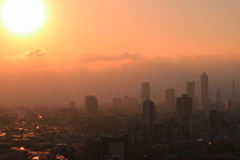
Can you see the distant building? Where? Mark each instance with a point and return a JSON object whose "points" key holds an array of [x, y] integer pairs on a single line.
{"points": [[216, 119], [122, 147], [170, 100], [117, 102], [72, 104], [145, 91], [184, 107], [149, 113], [127, 100], [92, 148], [191, 91], [114, 146], [131, 103], [204, 90], [91, 104]]}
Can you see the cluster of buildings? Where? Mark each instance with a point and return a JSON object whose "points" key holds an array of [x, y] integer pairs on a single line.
{"points": [[184, 129], [185, 104]]}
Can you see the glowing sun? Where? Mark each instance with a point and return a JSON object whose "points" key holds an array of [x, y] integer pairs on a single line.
{"points": [[23, 16]]}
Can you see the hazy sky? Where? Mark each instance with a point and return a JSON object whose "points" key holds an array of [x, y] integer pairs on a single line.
{"points": [[108, 48]]}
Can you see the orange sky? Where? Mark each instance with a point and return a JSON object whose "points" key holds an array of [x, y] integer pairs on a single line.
{"points": [[146, 27], [82, 36]]}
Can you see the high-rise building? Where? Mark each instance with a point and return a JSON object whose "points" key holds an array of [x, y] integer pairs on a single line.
{"points": [[149, 113], [145, 91], [184, 107], [191, 91], [170, 100], [91, 104], [204, 90], [216, 119]]}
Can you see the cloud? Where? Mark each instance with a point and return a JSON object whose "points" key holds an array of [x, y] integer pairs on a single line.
{"points": [[104, 57], [203, 58], [36, 53]]}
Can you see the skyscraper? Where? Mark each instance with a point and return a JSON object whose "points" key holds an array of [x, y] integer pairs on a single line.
{"points": [[145, 91], [91, 104], [149, 113], [170, 100], [204, 90], [184, 107], [191, 91]]}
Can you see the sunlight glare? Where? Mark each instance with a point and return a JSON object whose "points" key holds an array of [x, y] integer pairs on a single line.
{"points": [[23, 16]]}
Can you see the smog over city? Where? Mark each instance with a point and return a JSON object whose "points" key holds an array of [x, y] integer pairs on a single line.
{"points": [[119, 80]]}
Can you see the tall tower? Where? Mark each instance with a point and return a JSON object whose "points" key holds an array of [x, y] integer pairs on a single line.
{"points": [[149, 113], [170, 100], [191, 91], [204, 89], [145, 91], [184, 106], [91, 104]]}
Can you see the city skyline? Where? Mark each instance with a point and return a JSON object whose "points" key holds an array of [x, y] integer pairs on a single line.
{"points": [[157, 93], [120, 44], [119, 80]]}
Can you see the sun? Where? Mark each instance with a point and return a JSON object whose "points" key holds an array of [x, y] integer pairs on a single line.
{"points": [[23, 16]]}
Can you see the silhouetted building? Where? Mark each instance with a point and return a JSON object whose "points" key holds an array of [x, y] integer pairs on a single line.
{"points": [[184, 107], [191, 91], [170, 100], [216, 119], [123, 147], [115, 147], [92, 149], [127, 100], [91, 104], [145, 91], [204, 90], [149, 113]]}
